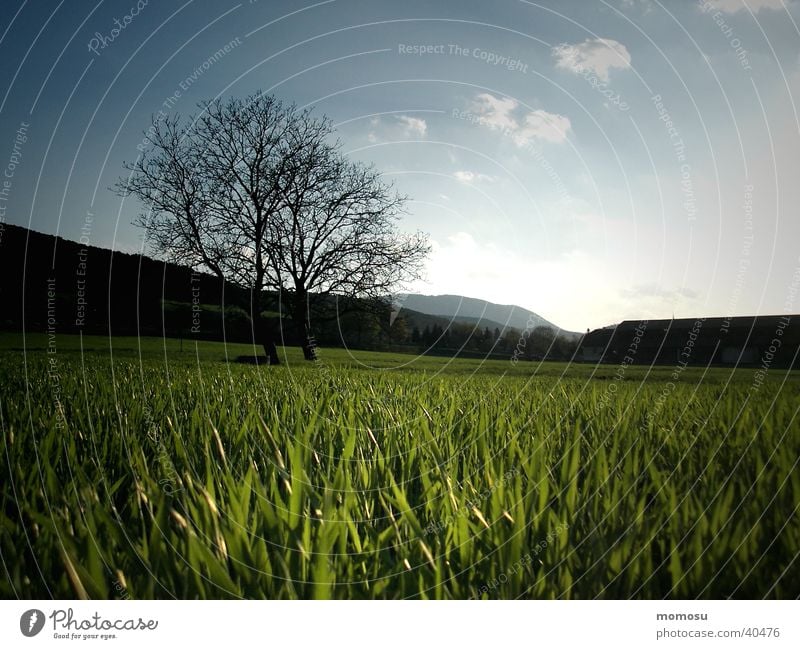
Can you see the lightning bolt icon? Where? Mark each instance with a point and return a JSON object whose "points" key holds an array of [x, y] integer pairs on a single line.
{"points": [[32, 621]]}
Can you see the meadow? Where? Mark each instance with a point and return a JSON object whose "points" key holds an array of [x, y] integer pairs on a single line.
{"points": [[158, 469]]}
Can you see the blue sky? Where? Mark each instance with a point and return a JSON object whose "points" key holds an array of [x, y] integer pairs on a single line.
{"points": [[591, 161]]}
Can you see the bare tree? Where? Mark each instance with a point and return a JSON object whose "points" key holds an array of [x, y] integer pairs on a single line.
{"points": [[255, 192], [337, 241]]}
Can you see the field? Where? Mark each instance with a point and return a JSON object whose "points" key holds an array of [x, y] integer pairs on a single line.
{"points": [[140, 469]]}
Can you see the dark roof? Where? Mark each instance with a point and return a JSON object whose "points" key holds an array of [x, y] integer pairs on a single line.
{"points": [[687, 323]]}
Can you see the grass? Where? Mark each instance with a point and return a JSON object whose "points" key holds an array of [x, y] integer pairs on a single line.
{"points": [[134, 469]]}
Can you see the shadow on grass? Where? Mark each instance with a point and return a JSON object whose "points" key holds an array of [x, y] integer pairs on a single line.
{"points": [[252, 360]]}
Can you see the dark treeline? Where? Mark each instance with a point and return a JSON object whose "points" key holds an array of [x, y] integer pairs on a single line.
{"points": [[473, 339], [766, 341], [50, 284]]}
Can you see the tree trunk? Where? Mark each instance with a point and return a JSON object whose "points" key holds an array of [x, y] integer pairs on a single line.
{"points": [[309, 347], [266, 332], [268, 342], [302, 326]]}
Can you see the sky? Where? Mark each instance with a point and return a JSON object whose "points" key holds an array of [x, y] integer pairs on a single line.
{"points": [[590, 161]]}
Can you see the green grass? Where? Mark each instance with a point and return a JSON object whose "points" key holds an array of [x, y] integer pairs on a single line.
{"points": [[173, 473]]}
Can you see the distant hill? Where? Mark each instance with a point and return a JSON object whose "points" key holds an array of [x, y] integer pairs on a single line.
{"points": [[471, 310], [421, 320], [50, 284]]}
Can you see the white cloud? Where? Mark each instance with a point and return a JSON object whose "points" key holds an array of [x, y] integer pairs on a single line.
{"points": [[732, 6], [546, 126], [496, 112], [413, 126], [501, 113], [401, 127], [645, 5], [472, 176], [600, 55]]}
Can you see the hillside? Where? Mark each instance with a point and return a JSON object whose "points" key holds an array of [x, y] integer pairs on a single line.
{"points": [[53, 285], [470, 310]]}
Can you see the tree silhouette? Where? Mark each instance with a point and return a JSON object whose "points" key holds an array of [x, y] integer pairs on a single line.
{"points": [[256, 192]]}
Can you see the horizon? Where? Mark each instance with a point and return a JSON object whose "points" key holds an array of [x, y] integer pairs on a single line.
{"points": [[638, 162], [129, 251]]}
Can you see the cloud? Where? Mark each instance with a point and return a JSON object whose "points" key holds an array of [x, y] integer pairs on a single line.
{"points": [[646, 6], [504, 113], [413, 126], [401, 127], [496, 112], [732, 6], [472, 176], [599, 55], [546, 126]]}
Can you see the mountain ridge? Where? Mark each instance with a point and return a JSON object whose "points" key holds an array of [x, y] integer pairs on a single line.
{"points": [[472, 310]]}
